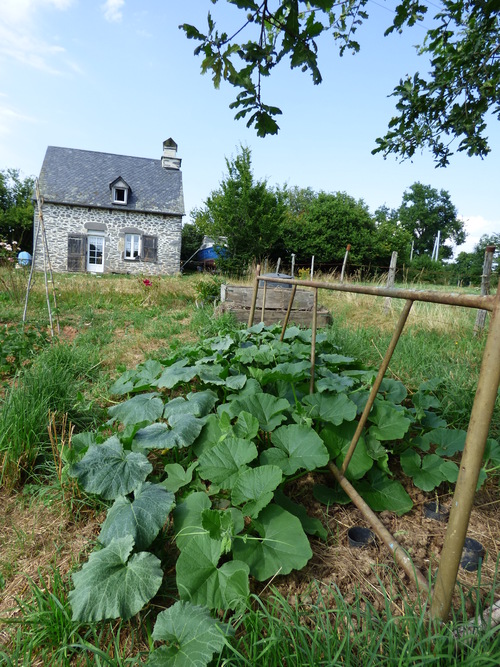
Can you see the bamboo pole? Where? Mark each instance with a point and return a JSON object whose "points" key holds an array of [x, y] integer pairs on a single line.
{"points": [[313, 340], [378, 381], [400, 556], [289, 310], [254, 297], [470, 466], [427, 296]]}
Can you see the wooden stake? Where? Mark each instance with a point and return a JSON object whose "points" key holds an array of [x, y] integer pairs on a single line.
{"points": [[390, 281], [485, 287], [254, 297], [347, 250]]}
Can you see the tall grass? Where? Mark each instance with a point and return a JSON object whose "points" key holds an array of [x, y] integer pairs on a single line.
{"points": [[329, 632], [55, 383]]}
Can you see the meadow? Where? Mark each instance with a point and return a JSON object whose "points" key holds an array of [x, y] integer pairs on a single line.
{"points": [[342, 608]]}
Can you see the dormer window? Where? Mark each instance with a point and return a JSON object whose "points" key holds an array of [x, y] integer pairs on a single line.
{"points": [[119, 196], [120, 191]]}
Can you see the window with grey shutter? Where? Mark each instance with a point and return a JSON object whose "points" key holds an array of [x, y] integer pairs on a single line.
{"points": [[149, 249], [77, 246]]}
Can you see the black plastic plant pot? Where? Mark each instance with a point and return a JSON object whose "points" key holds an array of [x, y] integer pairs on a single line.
{"points": [[360, 537], [433, 510], [472, 553]]}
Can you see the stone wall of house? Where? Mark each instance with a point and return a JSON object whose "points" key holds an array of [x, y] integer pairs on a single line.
{"points": [[62, 221]]}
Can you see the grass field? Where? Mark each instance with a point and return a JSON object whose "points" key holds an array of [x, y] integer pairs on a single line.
{"points": [[52, 389]]}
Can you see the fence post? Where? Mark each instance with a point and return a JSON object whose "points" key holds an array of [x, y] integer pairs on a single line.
{"points": [[485, 286], [312, 267], [390, 280], [293, 265]]}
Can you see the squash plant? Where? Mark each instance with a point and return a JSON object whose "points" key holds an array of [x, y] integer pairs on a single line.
{"points": [[205, 445]]}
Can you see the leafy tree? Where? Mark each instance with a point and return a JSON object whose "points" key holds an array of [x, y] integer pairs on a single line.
{"points": [[468, 267], [322, 224], [16, 208], [390, 236], [462, 44], [191, 241], [423, 212], [245, 212]]}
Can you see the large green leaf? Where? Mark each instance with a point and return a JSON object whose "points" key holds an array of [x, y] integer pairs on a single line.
{"points": [[112, 584], [143, 518], [338, 440], [188, 521], [254, 488], [197, 404], [200, 581], [110, 471], [311, 525], [383, 493], [282, 547], [333, 382], [429, 471], [334, 408], [144, 407], [266, 408], [296, 447], [393, 390], [288, 371], [448, 441], [177, 477], [192, 635], [389, 423], [222, 463], [185, 429], [247, 426], [177, 373]]}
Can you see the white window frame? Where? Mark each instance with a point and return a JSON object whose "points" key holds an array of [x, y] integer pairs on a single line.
{"points": [[116, 199], [135, 242]]}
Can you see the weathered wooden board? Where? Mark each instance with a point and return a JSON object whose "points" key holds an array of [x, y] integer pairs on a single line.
{"points": [[277, 298], [300, 317], [237, 299]]}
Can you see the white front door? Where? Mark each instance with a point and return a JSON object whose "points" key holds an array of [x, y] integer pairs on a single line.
{"points": [[95, 254]]}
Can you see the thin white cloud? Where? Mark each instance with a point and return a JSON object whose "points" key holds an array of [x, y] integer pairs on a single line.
{"points": [[19, 39], [475, 227], [9, 116], [112, 10]]}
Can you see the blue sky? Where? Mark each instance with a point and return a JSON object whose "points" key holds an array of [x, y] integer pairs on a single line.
{"points": [[119, 76]]}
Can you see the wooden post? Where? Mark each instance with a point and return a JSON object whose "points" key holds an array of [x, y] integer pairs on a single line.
{"points": [[254, 297], [390, 281], [313, 340], [312, 268], [264, 294], [289, 310], [293, 264], [278, 265], [470, 466], [485, 286], [348, 248]]}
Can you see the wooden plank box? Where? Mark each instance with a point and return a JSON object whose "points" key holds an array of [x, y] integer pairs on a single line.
{"points": [[237, 299]]}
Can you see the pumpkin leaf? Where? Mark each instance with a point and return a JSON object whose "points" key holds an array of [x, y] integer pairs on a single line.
{"points": [[113, 584], [143, 518], [192, 636], [110, 471]]}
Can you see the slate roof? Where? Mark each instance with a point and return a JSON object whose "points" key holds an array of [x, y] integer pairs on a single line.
{"points": [[82, 178]]}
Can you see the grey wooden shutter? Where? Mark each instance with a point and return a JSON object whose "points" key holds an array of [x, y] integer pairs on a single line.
{"points": [[150, 248], [77, 248]]}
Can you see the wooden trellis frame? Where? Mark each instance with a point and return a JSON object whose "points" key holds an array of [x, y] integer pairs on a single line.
{"points": [[477, 432]]}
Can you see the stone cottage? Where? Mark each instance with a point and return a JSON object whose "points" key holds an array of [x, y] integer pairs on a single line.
{"points": [[108, 213]]}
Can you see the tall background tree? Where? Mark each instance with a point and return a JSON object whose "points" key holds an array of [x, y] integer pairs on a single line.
{"points": [[454, 102], [246, 213], [322, 224], [426, 211], [16, 208]]}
